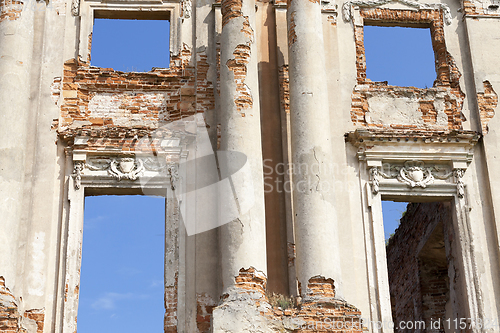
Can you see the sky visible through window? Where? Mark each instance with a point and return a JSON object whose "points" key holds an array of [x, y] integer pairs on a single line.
{"points": [[401, 56], [123, 251], [121, 286], [130, 45]]}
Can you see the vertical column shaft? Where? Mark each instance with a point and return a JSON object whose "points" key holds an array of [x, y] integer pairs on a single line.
{"points": [[243, 240], [312, 157], [16, 52]]}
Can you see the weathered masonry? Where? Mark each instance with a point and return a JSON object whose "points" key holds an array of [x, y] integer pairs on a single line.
{"points": [[273, 150]]}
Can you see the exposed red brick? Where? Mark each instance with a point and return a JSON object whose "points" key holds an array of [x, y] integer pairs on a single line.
{"points": [[429, 113], [284, 88], [170, 321], [334, 316], [230, 9], [10, 10], [324, 316], [320, 286], [204, 308], [38, 316], [487, 102], [252, 280], [10, 316], [238, 65], [133, 94], [332, 19], [469, 8]]}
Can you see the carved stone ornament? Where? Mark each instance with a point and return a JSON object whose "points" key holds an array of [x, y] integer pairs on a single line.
{"points": [[459, 173], [416, 174], [187, 8], [348, 5], [126, 168], [75, 7], [375, 182], [77, 173], [173, 173]]}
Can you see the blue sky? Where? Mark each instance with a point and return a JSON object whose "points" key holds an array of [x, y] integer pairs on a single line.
{"points": [[130, 45], [122, 261], [401, 56], [121, 287]]}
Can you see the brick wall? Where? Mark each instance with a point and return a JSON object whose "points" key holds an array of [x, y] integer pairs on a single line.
{"points": [[418, 274], [10, 10], [446, 87], [284, 81], [115, 108], [478, 8], [321, 314], [170, 321], [487, 102], [204, 308], [11, 320]]}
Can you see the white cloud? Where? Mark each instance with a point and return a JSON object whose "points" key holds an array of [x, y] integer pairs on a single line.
{"points": [[110, 300], [92, 223], [156, 283]]}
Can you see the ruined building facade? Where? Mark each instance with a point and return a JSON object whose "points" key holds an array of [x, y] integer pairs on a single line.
{"points": [[283, 86]]}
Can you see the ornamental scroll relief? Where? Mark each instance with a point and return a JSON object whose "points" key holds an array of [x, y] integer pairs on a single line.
{"points": [[416, 174], [129, 168]]}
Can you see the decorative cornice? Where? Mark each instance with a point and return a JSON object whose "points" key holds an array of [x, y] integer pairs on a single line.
{"points": [[401, 145]]}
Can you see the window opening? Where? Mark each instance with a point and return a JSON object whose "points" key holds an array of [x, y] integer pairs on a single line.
{"points": [[392, 212], [122, 273], [130, 45], [399, 55], [418, 262]]}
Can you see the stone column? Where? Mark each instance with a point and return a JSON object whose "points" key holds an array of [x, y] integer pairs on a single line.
{"points": [[16, 52], [243, 240], [312, 156]]}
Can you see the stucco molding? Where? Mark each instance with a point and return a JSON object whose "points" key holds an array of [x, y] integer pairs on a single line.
{"points": [[415, 161], [75, 7], [187, 8], [78, 167], [414, 173]]}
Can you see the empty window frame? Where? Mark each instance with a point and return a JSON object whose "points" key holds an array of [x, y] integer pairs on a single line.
{"points": [[401, 56], [122, 282], [130, 41], [425, 22], [419, 258]]}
